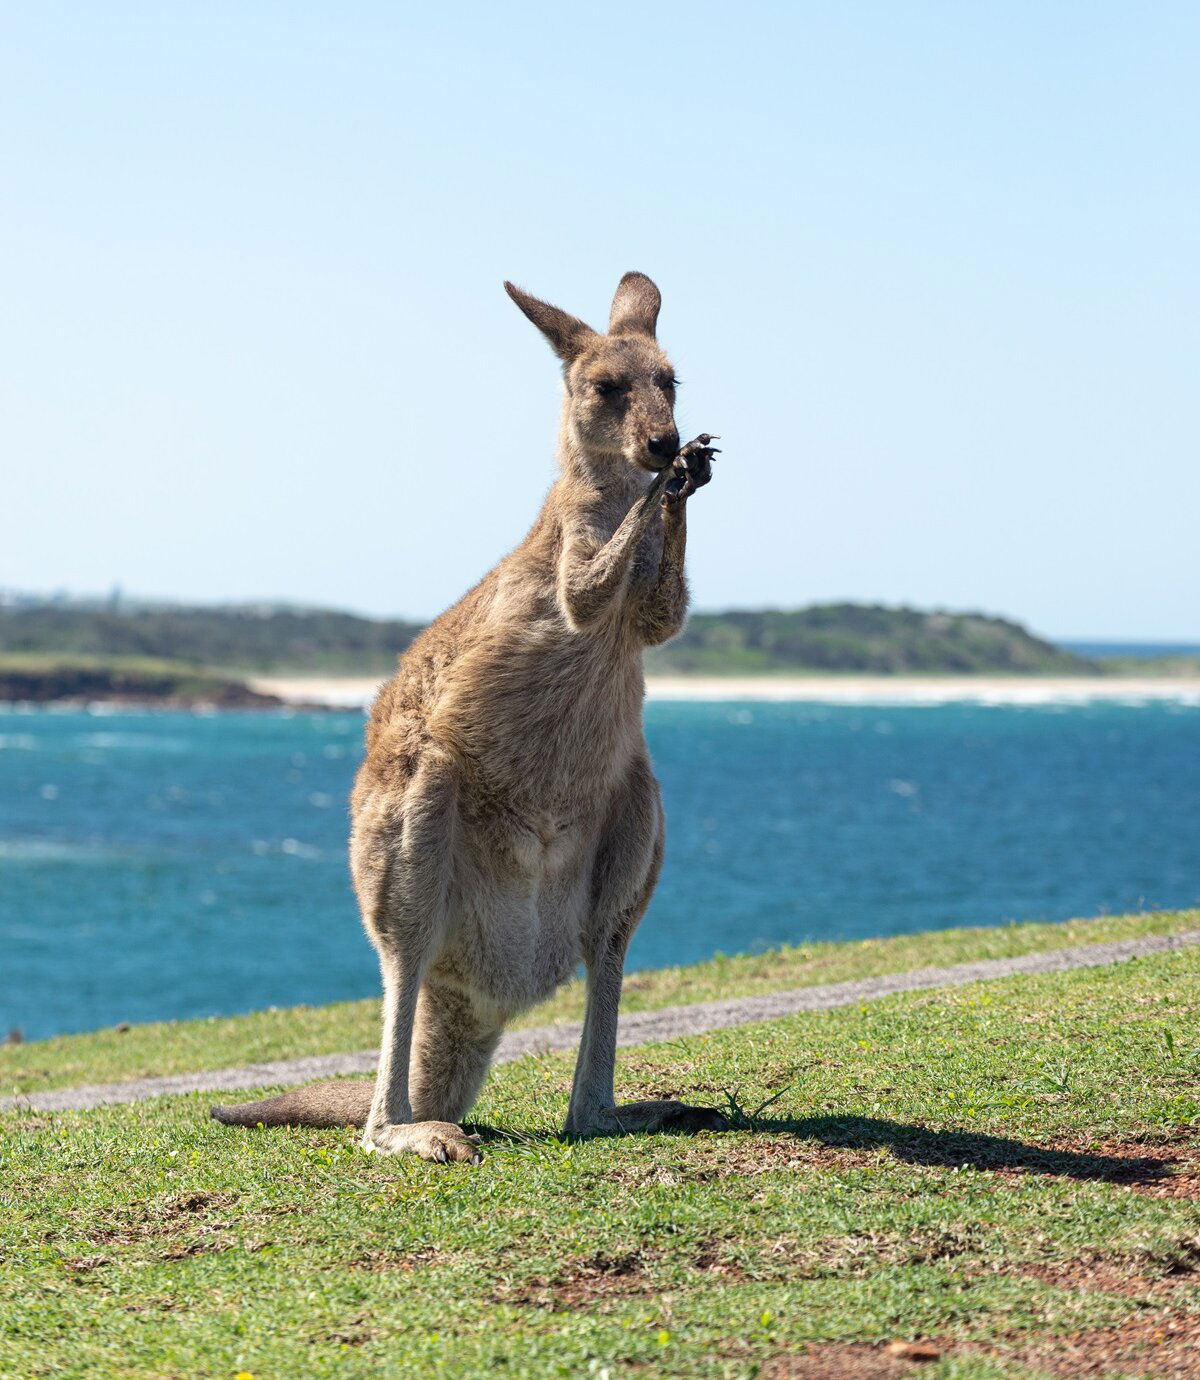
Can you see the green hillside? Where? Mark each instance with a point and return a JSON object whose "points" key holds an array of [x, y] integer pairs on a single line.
{"points": [[247, 637], [41, 679], [867, 638], [825, 637]]}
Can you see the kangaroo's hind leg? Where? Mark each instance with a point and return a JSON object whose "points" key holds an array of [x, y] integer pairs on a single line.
{"points": [[452, 1047], [627, 866], [401, 858]]}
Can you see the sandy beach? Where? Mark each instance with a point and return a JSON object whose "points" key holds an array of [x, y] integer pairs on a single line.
{"points": [[356, 692]]}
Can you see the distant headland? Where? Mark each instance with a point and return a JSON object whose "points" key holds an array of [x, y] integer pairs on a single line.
{"points": [[65, 650]]}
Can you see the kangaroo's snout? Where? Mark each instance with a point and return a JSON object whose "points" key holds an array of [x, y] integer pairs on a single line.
{"points": [[665, 445]]}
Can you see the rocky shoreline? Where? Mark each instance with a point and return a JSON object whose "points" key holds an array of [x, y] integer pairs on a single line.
{"points": [[130, 687]]}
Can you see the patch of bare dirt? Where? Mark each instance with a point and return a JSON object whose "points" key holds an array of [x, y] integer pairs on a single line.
{"points": [[715, 1257], [1158, 1171], [381, 1261], [1163, 1171], [600, 1275], [189, 1249], [1161, 1338], [742, 1157], [1151, 1274], [157, 1304], [186, 1204], [1160, 1344], [149, 1222], [1182, 1180], [1133, 1163], [84, 1264], [863, 1252], [1151, 1345], [356, 1332], [187, 1224], [851, 1361], [582, 1282]]}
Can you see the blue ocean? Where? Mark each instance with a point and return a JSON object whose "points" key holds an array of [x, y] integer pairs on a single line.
{"points": [[157, 865]]}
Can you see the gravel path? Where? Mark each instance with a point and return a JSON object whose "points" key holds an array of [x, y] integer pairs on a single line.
{"points": [[636, 1028]]}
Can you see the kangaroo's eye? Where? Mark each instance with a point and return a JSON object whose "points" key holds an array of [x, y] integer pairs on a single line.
{"points": [[606, 388], [668, 383]]}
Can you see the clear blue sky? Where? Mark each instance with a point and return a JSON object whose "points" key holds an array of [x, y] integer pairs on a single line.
{"points": [[931, 270]]}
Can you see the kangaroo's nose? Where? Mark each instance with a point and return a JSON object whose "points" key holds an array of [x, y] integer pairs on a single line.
{"points": [[665, 446]]}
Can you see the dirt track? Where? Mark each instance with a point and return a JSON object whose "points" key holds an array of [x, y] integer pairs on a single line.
{"points": [[637, 1028]]}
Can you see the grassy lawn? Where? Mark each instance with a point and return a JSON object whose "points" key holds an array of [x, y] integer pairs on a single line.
{"points": [[1010, 1171], [181, 1047]]}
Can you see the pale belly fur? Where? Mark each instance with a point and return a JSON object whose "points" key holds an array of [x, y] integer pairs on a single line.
{"points": [[546, 728], [515, 932]]}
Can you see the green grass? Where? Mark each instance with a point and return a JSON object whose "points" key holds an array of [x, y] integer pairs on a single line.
{"points": [[972, 1165], [181, 1047]]}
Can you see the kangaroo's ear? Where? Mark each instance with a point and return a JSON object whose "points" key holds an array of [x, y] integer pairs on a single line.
{"points": [[566, 333], [635, 306]]}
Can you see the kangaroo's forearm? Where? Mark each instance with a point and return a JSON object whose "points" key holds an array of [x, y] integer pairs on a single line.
{"points": [[589, 583], [664, 606]]}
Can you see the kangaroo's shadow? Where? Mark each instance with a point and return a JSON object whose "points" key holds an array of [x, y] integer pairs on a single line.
{"points": [[955, 1148], [949, 1149]]}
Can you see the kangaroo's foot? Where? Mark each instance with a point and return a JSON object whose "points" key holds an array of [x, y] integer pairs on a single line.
{"points": [[693, 468], [648, 1118], [441, 1141]]}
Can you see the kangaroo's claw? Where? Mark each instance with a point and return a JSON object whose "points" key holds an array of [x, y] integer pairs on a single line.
{"points": [[693, 468]]}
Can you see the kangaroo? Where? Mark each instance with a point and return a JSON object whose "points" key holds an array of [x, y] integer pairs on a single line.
{"points": [[506, 821]]}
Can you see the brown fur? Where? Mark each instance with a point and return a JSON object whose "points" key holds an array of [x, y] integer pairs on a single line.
{"points": [[506, 822]]}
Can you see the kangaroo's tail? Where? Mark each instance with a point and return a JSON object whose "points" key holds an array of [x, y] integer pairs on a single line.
{"points": [[344, 1102]]}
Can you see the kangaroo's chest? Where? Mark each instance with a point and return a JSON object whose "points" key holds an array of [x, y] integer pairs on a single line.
{"points": [[548, 722]]}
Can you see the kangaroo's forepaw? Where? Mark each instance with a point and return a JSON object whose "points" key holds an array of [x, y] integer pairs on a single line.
{"points": [[440, 1141], [693, 468], [649, 1118]]}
